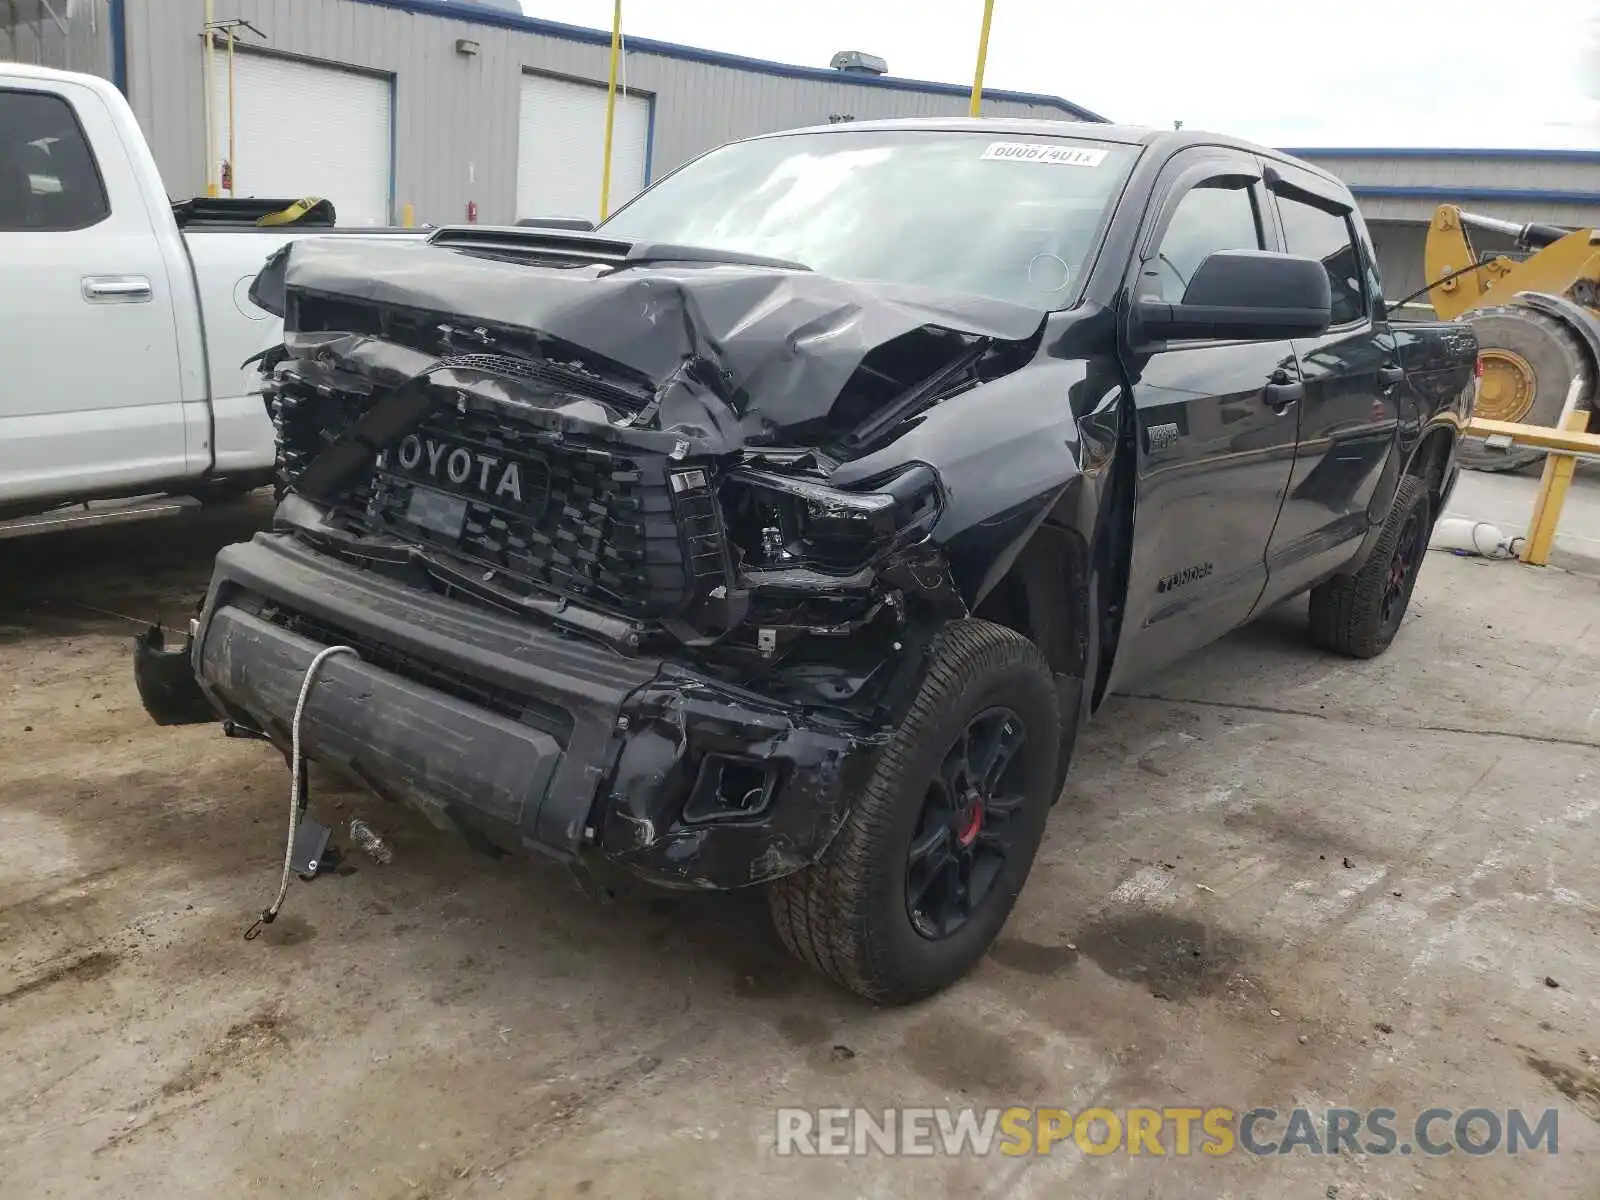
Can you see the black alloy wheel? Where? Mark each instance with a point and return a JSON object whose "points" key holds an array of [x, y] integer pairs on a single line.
{"points": [[1360, 614], [967, 825], [1403, 567], [934, 850]]}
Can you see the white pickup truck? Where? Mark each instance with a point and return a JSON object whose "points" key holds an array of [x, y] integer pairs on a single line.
{"points": [[125, 321]]}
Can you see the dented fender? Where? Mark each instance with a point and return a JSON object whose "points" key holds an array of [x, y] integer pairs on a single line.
{"points": [[1007, 453]]}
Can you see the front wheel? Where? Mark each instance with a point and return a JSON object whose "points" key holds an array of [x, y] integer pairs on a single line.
{"points": [[1359, 614], [924, 872]]}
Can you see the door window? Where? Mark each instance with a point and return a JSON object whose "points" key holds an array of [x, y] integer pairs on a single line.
{"points": [[48, 177], [1325, 236], [1216, 215]]}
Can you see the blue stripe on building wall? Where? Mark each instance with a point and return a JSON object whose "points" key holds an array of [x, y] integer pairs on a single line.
{"points": [[1379, 153], [1468, 191]]}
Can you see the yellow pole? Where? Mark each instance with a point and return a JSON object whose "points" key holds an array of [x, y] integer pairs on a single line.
{"points": [[1558, 469], [983, 57], [233, 159], [408, 215], [611, 107], [210, 106]]}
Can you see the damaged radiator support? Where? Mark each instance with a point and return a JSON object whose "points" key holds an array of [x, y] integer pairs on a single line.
{"points": [[532, 501]]}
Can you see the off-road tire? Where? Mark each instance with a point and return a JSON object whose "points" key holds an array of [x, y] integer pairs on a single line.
{"points": [[847, 915], [1556, 355], [1347, 611]]}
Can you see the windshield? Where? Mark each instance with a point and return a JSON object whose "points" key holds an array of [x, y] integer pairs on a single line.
{"points": [[1011, 217]]}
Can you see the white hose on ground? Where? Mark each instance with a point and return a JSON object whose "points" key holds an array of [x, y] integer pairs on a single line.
{"points": [[1463, 535], [296, 782]]}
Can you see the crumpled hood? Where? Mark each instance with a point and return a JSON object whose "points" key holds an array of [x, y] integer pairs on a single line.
{"points": [[781, 345]]}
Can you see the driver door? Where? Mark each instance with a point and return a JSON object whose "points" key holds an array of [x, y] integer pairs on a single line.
{"points": [[1215, 448]]}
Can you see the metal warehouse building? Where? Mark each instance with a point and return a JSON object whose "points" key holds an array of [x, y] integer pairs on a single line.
{"points": [[457, 109]]}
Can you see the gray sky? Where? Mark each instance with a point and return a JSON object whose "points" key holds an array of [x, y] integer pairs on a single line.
{"points": [[1287, 73]]}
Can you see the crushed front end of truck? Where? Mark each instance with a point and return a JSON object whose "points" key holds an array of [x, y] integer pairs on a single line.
{"points": [[574, 503]]}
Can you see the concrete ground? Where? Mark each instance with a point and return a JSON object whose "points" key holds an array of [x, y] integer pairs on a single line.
{"points": [[1506, 500], [1276, 878]]}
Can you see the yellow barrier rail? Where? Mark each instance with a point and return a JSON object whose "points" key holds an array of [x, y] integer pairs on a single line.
{"points": [[1564, 443]]}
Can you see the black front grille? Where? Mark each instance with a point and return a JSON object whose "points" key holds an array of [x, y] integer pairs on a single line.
{"points": [[554, 512], [593, 523]]}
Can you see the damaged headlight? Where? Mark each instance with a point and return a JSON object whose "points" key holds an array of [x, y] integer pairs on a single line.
{"points": [[777, 521]]}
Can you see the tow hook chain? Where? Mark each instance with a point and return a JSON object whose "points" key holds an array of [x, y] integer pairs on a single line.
{"points": [[298, 795]]}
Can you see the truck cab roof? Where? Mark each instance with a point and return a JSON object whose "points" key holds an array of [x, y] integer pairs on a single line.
{"points": [[1164, 141]]}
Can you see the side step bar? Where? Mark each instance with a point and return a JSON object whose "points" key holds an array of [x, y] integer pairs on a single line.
{"points": [[96, 513]]}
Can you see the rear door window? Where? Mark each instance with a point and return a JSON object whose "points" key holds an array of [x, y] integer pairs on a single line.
{"points": [[49, 181], [1327, 237]]}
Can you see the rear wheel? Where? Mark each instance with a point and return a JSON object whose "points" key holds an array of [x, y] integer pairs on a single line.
{"points": [[1359, 614], [1529, 361], [923, 874]]}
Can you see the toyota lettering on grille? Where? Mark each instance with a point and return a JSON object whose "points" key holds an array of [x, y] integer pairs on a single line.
{"points": [[505, 480], [490, 475]]}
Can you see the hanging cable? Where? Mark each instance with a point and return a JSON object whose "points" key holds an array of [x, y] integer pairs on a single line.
{"points": [[296, 787], [1443, 279]]}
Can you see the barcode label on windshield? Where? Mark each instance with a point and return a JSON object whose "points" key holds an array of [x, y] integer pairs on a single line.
{"points": [[1061, 156]]}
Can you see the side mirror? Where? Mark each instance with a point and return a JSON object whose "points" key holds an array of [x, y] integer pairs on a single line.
{"points": [[1243, 295], [581, 224]]}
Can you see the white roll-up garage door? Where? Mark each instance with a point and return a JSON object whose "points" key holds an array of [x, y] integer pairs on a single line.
{"points": [[561, 148], [307, 130]]}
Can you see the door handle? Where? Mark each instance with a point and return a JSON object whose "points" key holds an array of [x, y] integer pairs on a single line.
{"points": [[1389, 376], [1281, 395], [117, 289]]}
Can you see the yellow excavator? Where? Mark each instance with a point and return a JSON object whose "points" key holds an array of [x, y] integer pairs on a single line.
{"points": [[1536, 311]]}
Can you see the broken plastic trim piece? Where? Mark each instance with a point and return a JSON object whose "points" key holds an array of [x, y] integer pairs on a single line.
{"points": [[167, 685]]}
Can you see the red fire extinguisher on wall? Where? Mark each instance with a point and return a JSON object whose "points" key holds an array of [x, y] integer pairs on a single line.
{"points": [[472, 212]]}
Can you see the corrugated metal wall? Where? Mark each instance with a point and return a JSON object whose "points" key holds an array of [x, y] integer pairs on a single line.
{"points": [[455, 117], [1421, 208], [1398, 191], [1577, 171], [1559, 187], [84, 46]]}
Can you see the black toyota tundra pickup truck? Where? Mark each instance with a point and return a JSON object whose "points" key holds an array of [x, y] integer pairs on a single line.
{"points": [[786, 529]]}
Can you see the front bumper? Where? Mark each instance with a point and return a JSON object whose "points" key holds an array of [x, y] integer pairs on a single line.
{"points": [[518, 735]]}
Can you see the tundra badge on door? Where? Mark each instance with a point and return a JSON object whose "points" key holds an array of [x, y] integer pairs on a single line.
{"points": [[1187, 575]]}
